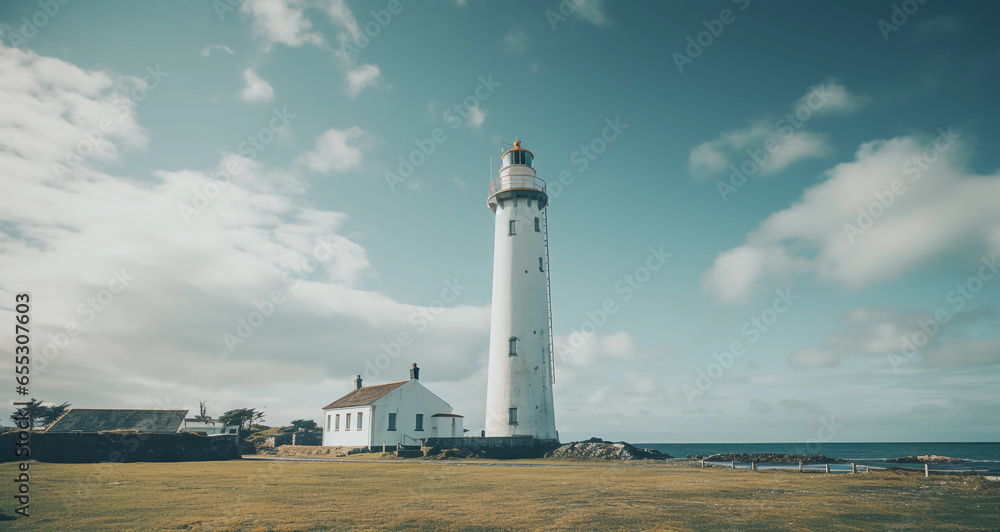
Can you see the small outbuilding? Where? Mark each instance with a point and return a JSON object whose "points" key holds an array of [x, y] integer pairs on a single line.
{"points": [[402, 412]]}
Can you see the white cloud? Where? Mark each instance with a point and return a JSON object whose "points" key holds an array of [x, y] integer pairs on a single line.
{"points": [[476, 117], [218, 47], [831, 98], [255, 89], [515, 41], [191, 282], [933, 211], [360, 78], [770, 145], [881, 334], [343, 18], [592, 11], [582, 350], [337, 150], [280, 22]]}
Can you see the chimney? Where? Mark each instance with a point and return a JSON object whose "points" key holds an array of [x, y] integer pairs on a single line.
{"points": [[357, 382], [415, 372]]}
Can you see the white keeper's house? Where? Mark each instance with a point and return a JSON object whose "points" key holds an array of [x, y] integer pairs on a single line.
{"points": [[398, 412]]}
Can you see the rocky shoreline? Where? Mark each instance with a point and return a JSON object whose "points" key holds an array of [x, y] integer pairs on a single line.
{"points": [[598, 449], [926, 459]]}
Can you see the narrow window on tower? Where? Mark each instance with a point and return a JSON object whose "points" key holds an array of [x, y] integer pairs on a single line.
{"points": [[513, 228], [359, 419], [540, 266], [328, 416], [512, 416], [420, 422], [513, 346], [392, 421], [347, 424], [336, 422], [538, 225]]}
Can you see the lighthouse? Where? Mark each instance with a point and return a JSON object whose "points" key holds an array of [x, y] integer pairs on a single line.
{"points": [[521, 368]]}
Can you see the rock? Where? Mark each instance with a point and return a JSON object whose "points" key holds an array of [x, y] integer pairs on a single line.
{"points": [[694, 457], [926, 459], [604, 450]]}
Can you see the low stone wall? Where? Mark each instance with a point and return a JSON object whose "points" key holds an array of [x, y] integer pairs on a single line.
{"points": [[120, 446], [485, 447], [316, 450]]}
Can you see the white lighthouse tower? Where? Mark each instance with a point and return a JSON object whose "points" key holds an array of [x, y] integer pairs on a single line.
{"points": [[521, 370]]}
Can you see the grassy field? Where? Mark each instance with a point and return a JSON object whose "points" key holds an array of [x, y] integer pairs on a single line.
{"points": [[446, 495]]}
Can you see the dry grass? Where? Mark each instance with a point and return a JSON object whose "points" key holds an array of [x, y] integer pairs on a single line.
{"points": [[416, 494]]}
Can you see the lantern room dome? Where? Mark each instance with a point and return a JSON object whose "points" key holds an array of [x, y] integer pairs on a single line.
{"points": [[516, 155]]}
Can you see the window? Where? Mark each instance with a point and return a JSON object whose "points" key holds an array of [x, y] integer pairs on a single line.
{"points": [[513, 346], [336, 422], [420, 422], [392, 421], [359, 419], [541, 266], [538, 225], [328, 416], [513, 228], [512, 416], [347, 426]]}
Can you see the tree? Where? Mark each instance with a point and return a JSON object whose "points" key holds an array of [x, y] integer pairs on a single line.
{"points": [[203, 413], [306, 431], [41, 416], [242, 417], [304, 425]]}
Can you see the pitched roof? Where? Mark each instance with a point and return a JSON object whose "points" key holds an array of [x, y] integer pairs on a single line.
{"points": [[365, 395], [97, 419]]}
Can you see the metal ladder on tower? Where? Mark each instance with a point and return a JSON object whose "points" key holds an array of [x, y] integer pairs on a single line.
{"points": [[548, 292]]}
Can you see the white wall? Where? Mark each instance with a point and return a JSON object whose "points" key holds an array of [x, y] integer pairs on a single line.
{"points": [[406, 401], [348, 436], [448, 427]]}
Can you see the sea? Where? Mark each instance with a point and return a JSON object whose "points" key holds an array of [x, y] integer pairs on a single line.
{"points": [[979, 457]]}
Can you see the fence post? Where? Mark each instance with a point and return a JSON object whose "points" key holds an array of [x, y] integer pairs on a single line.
{"points": [[854, 468], [800, 466], [753, 466], [927, 470], [703, 463], [827, 468], [734, 464]]}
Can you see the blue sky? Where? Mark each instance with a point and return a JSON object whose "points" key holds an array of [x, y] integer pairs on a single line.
{"points": [[635, 127]]}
